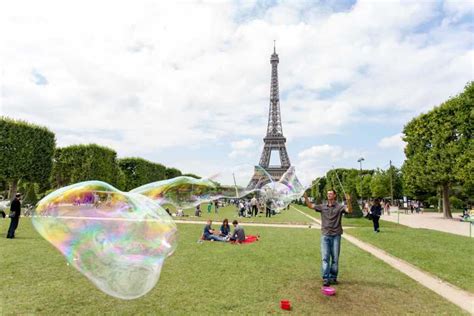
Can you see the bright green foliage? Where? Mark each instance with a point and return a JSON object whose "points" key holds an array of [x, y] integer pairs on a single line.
{"points": [[86, 162], [139, 171], [363, 186], [26, 152], [440, 147]]}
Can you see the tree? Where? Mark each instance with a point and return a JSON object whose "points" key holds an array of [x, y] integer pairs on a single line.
{"points": [[345, 181], [27, 152], [30, 195], [380, 184], [172, 173], [78, 163], [138, 171], [363, 189], [439, 147]]}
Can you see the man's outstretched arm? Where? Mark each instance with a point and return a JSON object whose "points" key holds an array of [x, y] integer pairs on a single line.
{"points": [[308, 202]]}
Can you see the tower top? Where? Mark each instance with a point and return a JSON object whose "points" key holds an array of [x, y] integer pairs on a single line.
{"points": [[274, 58]]}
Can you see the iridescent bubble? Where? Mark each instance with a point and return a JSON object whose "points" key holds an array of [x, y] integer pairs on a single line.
{"points": [[282, 192], [187, 192], [117, 240]]}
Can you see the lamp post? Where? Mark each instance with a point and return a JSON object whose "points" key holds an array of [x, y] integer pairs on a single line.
{"points": [[360, 176]]}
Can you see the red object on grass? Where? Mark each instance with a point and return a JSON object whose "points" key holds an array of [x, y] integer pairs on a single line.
{"points": [[250, 239], [285, 304]]}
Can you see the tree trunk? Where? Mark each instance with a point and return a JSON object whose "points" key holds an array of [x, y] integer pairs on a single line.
{"points": [[440, 200], [446, 206], [13, 188]]}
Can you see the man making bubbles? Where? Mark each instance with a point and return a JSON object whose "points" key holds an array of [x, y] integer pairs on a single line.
{"points": [[331, 231]]}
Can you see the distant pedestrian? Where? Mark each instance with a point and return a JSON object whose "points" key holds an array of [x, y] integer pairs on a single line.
{"points": [[216, 205], [268, 208], [15, 212], [209, 207], [376, 211], [387, 207], [254, 203], [197, 212]]}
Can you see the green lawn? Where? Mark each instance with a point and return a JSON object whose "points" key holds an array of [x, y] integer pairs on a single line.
{"points": [[230, 212], [215, 278], [448, 256]]}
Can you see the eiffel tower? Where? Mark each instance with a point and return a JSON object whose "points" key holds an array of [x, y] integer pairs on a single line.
{"points": [[274, 140]]}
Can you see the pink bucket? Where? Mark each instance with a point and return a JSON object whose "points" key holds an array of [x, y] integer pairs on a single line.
{"points": [[328, 291]]}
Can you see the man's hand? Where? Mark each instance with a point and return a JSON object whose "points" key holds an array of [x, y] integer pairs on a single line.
{"points": [[349, 203]]}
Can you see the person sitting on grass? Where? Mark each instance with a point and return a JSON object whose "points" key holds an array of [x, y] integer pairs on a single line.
{"points": [[238, 235], [209, 233], [225, 228]]}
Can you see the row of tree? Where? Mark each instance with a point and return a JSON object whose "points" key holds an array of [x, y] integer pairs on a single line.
{"points": [[30, 162], [439, 165], [359, 184]]}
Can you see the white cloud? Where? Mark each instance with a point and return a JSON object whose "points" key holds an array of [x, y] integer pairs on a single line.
{"points": [[394, 141], [148, 76], [242, 148]]}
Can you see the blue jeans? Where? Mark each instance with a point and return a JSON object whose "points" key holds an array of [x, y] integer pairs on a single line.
{"points": [[214, 237], [330, 249]]}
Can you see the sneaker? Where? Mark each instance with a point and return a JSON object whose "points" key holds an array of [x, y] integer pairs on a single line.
{"points": [[326, 283], [333, 281]]}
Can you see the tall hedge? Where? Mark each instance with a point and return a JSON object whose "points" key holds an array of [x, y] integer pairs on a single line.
{"points": [[26, 152], [138, 171], [78, 163]]}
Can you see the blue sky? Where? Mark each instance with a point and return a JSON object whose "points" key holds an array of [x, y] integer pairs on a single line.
{"points": [[187, 83]]}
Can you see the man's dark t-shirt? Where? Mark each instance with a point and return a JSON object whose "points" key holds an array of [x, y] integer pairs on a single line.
{"points": [[15, 208], [330, 218]]}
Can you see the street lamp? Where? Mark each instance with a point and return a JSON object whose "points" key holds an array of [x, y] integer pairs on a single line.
{"points": [[360, 176]]}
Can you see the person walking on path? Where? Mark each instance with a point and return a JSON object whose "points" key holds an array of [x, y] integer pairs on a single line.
{"points": [[15, 212], [386, 207], [376, 211], [216, 205], [331, 231]]}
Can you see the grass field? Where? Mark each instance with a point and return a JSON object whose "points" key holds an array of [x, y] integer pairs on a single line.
{"points": [[450, 257], [215, 278]]}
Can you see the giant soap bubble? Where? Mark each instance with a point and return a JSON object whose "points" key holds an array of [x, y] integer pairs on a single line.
{"points": [[186, 192], [281, 192], [117, 240]]}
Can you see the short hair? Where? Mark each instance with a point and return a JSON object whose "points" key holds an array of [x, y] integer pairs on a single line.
{"points": [[333, 191], [235, 222]]}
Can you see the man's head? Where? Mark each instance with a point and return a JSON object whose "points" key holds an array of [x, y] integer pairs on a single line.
{"points": [[235, 223], [209, 221], [18, 195], [331, 194]]}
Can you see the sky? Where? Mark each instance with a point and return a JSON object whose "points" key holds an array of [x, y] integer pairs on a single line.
{"points": [[187, 83]]}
